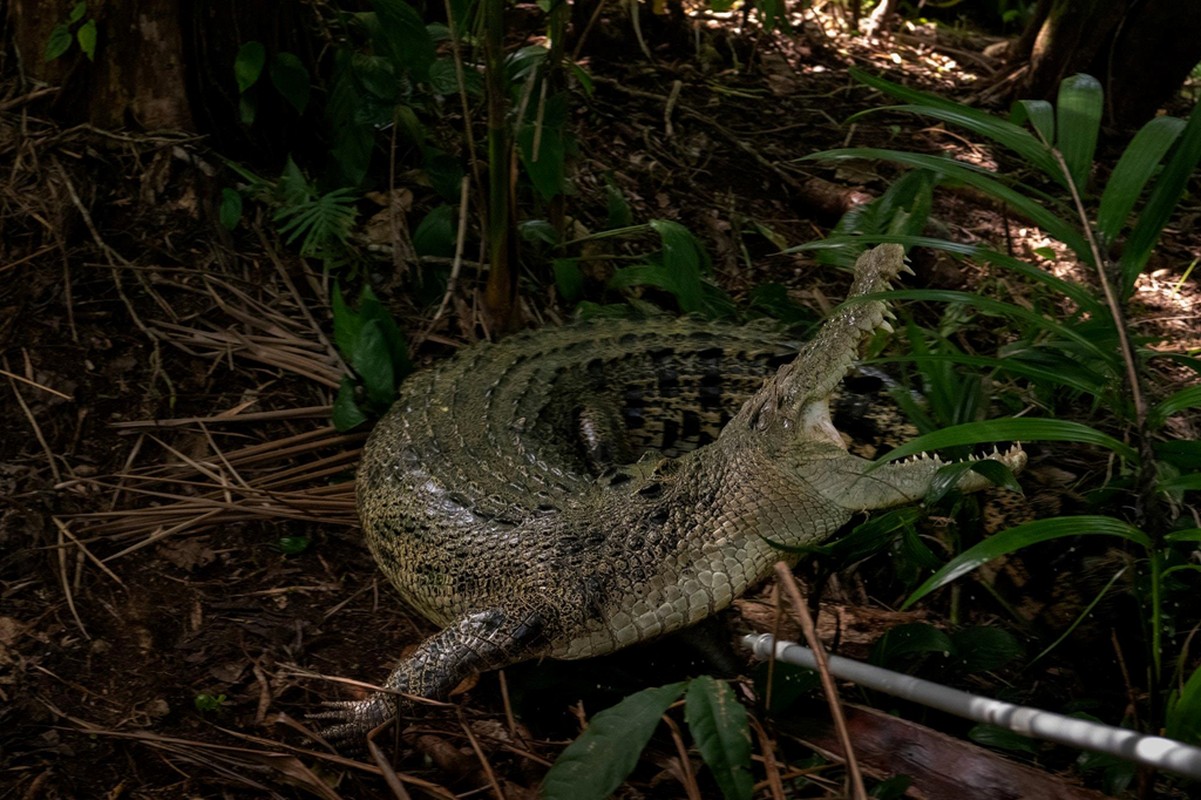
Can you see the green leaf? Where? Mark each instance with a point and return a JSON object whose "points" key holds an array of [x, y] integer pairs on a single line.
{"points": [[903, 641], [594, 765], [230, 210], [291, 80], [435, 234], [1181, 483], [619, 214], [86, 36], [1079, 109], [1002, 739], [248, 64], [1032, 209], [372, 360], [1135, 168], [685, 259], [1079, 295], [347, 415], [1013, 539], [1185, 398], [1011, 430], [247, 109], [1006, 134], [981, 648], [568, 279], [546, 164], [404, 37], [77, 12], [444, 79], [59, 42], [1165, 194], [718, 723], [987, 305], [347, 324], [1184, 711], [1040, 114]]}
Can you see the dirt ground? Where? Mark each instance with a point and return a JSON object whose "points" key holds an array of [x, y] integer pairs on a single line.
{"points": [[179, 563]]}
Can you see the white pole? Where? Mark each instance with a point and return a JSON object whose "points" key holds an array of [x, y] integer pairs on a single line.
{"points": [[1154, 751]]}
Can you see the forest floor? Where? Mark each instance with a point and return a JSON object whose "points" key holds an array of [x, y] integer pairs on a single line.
{"points": [[179, 563]]}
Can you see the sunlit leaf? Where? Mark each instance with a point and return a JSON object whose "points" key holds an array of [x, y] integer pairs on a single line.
{"points": [[1078, 111], [1003, 133], [1023, 536], [1041, 115], [1135, 168], [1165, 194]]}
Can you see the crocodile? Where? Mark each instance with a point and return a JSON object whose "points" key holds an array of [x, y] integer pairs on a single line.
{"points": [[566, 493]]}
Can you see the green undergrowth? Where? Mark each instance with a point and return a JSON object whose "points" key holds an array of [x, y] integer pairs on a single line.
{"points": [[1060, 364]]}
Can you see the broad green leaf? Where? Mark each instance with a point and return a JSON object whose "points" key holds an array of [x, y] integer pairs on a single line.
{"points": [[248, 64], [444, 78], [1022, 536], [230, 210], [977, 178], [347, 324], [372, 360], [1041, 115], [718, 724], [370, 308], [543, 144], [1135, 168], [1002, 739], [59, 42], [1183, 454], [86, 36], [404, 37], [981, 648], [435, 234], [77, 12], [914, 638], [1003, 133], [594, 765], [1011, 430], [568, 279], [1185, 398], [291, 79], [1079, 109], [1165, 194], [347, 415], [684, 259]]}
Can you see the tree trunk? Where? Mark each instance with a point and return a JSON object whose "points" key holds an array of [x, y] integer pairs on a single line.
{"points": [[1140, 50], [163, 65]]}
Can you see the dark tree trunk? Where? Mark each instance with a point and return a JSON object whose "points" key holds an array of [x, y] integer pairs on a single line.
{"points": [[1141, 50], [164, 65]]}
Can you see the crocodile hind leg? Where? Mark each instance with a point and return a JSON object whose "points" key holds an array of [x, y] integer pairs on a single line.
{"points": [[478, 642]]}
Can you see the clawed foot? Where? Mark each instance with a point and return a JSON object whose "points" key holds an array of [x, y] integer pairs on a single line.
{"points": [[353, 720]]}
